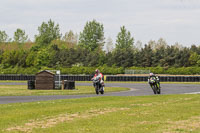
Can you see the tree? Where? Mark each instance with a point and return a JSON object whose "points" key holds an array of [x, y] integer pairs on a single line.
{"points": [[92, 36], [109, 45], [92, 59], [147, 56], [123, 54], [196, 49], [138, 45], [159, 55], [161, 43], [152, 44], [54, 51], [182, 57], [47, 33], [31, 58], [20, 36], [123, 57], [178, 46], [70, 38], [109, 59], [194, 58], [138, 58], [42, 58], [124, 39], [3, 37], [21, 57], [1, 56], [170, 57]]}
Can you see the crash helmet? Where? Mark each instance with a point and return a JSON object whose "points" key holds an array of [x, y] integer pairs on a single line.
{"points": [[97, 71], [151, 74]]}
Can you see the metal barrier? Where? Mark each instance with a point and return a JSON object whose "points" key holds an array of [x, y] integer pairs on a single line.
{"points": [[31, 84]]}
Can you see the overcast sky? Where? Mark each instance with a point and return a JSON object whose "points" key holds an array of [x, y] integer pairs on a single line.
{"points": [[173, 20]]}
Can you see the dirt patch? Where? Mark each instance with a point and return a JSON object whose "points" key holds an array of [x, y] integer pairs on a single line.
{"points": [[145, 104], [188, 125], [52, 121], [161, 103]]}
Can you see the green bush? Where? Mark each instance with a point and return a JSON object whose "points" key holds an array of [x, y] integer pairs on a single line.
{"points": [[75, 70]]}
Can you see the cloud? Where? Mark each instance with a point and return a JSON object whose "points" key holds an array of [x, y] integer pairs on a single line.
{"points": [[143, 18], [181, 4]]}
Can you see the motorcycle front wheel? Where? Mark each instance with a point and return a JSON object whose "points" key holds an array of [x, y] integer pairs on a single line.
{"points": [[154, 89]]}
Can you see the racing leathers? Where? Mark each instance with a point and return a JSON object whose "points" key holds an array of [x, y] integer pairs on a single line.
{"points": [[99, 76], [157, 81]]}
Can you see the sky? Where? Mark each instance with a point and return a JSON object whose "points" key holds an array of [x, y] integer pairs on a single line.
{"points": [[173, 20]]}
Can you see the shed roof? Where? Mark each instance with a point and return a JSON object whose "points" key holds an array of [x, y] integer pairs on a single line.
{"points": [[46, 71]]}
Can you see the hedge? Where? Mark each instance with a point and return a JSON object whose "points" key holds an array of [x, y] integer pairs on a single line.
{"points": [[75, 70]]}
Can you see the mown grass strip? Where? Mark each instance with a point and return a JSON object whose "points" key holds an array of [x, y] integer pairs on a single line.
{"points": [[21, 90], [152, 114], [10, 81]]}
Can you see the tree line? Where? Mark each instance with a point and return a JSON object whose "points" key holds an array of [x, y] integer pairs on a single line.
{"points": [[90, 49]]}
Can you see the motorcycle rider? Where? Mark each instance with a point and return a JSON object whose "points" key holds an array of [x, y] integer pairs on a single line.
{"points": [[157, 79], [99, 76]]}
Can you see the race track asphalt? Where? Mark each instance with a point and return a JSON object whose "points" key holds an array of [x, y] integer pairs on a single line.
{"points": [[136, 89]]}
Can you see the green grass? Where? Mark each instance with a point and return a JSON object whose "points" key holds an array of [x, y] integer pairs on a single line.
{"points": [[21, 90], [16, 81], [142, 114]]}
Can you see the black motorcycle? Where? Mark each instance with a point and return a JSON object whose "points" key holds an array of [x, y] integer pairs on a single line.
{"points": [[98, 86], [154, 85]]}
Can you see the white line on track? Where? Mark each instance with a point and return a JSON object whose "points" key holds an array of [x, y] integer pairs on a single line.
{"points": [[193, 93]]}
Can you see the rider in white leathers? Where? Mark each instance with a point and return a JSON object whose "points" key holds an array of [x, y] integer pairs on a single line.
{"points": [[99, 76]]}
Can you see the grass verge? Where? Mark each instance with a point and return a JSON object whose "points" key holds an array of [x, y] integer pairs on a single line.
{"points": [[143, 114], [21, 90]]}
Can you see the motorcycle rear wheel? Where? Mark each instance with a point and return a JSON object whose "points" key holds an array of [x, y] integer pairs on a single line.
{"points": [[97, 90], [102, 91], [158, 91]]}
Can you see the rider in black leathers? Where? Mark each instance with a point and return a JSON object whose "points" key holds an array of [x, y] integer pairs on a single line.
{"points": [[157, 80]]}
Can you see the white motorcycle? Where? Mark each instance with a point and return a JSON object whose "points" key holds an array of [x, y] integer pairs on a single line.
{"points": [[99, 87]]}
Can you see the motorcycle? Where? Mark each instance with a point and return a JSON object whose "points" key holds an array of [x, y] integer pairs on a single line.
{"points": [[98, 86], [154, 85]]}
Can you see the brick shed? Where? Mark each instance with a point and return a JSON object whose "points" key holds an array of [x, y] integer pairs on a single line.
{"points": [[44, 80]]}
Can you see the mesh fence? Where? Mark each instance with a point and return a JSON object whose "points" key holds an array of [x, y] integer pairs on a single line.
{"points": [[129, 71]]}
